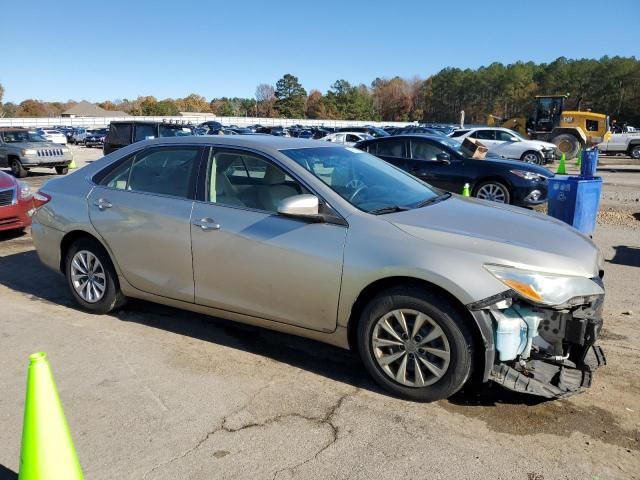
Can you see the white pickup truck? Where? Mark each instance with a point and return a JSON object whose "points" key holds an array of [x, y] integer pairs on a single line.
{"points": [[627, 142]]}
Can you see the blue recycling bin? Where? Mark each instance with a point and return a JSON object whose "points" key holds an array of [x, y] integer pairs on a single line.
{"points": [[575, 200], [589, 162]]}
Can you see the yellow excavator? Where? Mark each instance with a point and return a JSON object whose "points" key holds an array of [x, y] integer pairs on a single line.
{"points": [[569, 130]]}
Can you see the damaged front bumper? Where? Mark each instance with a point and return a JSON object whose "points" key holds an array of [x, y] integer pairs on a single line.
{"points": [[540, 350]]}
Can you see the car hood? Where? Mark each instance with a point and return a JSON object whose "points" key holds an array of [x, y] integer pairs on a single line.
{"points": [[515, 164], [502, 234]]}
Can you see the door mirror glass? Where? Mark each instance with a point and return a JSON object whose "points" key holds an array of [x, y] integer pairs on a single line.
{"points": [[299, 206], [443, 157]]}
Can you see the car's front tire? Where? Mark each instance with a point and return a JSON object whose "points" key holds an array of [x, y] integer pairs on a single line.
{"points": [[532, 156], [92, 278], [415, 344], [62, 170], [493, 191], [17, 169], [634, 152]]}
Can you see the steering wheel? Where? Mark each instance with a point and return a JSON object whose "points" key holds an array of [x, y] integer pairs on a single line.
{"points": [[357, 192]]}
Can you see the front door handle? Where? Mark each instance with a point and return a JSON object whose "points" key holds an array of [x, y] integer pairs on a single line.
{"points": [[101, 203], [207, 224]]}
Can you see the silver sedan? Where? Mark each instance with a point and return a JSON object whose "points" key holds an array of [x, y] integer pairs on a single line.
{"points": [[330, 243]]}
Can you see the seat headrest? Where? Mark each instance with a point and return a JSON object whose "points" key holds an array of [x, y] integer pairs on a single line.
{"points": [[273, 175]]}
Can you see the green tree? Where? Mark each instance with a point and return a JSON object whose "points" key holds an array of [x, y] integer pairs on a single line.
{"points": [[290, 97]]}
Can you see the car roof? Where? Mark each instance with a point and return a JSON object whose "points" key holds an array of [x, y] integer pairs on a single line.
{"points": [[249, 141]]}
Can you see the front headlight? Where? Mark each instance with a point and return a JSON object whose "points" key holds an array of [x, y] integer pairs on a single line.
{"points": [[29, 151], [527, 175], [24, 192], [546, 288]]}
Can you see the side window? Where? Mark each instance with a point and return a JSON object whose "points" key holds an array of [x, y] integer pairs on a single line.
{"points": [[425, 151], [339, 138], [352, 138], [163, 171], [391, 148], [120, 133], [484, 134], [504, 136], [592, 125], [144, 131], [245, 180]]}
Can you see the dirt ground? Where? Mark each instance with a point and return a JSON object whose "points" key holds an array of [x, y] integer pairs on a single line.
{"points": [[156, 393]]}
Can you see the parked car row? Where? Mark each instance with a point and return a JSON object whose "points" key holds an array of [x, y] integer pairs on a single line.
{"points": [[349, 246]]}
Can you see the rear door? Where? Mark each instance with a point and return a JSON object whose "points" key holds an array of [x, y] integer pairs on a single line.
{"points": [[142, 210], [249, 259]]}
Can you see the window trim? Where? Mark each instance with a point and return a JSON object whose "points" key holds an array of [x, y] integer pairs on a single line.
{"points": [[335, 218]]}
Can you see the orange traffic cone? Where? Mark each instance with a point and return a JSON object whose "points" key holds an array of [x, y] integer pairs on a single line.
{"points": [[47, 449]]}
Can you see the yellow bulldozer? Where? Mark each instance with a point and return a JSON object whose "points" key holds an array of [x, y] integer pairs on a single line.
{"points": [[569, 130]]}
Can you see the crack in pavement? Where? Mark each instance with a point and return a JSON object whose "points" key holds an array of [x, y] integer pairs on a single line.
{"points": [[326, 419]]}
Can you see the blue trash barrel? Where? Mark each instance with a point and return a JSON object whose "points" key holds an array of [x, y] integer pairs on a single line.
{"points": [[589, 162], [575, 200]]}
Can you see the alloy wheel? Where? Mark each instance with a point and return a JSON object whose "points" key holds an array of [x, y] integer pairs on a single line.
{"points": [[492, 192], [411, 348], [88, 276], [531, 158]]}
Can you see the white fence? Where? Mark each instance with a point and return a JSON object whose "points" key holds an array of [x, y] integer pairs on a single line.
{"points": [[195, 119]]}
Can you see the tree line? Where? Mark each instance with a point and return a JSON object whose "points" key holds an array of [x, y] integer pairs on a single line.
{"points": [[608, 85]]}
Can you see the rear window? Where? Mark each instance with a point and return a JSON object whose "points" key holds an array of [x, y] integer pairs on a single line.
{"points": [[120, 133], [458, 133], [144, 131]]}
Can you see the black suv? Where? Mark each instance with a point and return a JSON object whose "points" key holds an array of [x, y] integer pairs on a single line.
{"points": [[125, 133]]}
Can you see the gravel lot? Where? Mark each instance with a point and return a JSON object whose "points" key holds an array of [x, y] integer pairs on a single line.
{"points": [[157, 393]]}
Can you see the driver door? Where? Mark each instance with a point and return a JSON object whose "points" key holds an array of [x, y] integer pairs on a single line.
{"points": [[249, 259], [426, 165]]}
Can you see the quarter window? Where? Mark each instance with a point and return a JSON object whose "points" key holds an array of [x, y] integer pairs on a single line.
{"points": [[425, 151]]}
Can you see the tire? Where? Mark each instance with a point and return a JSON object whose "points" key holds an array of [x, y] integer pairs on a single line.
{"points": [[440, 313], [17, 169], [62, 170], [531, 156], [567, 144], [111, 296], [87, 146], [501, 193], [634, 152]]}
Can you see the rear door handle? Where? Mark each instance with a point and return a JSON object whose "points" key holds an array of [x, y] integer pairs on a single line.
{"points": [[101, 203], [207, 224]]}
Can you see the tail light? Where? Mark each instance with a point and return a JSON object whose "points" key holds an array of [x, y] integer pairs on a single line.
{"points": [[40, 199]]}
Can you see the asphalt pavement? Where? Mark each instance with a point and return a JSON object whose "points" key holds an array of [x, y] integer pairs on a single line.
{"points": [[152, 392]]}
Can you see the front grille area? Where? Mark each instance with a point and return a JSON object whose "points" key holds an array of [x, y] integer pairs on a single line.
{"points": [[9, 221], [50, 152], [7, 196]]}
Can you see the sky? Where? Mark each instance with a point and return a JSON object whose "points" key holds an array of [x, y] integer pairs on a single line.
{"points": [[56, 51]]}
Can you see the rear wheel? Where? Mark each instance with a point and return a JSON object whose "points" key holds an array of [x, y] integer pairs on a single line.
{"points": [[415, 344], [634, 152], [532, 156], [91, 277], [17, 169], [62, 170], [567, 144], [493, 191]]}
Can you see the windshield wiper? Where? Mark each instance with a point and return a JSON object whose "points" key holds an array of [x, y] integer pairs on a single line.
{"points": [[388, 209], [431, 201]]}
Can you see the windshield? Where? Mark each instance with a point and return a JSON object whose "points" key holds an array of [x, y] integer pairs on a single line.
{"points": [[363, 180], [518, 134], [377, 132], [21, 137]]}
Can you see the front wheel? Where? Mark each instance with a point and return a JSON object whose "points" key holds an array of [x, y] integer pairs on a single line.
{"points": [[634, 152], [532, 157], [493, 191], [415, 344], [91, 277], [17, 169], [62, 170]]}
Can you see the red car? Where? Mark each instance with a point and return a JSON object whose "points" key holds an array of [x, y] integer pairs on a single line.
{"points": [[15, 201]]}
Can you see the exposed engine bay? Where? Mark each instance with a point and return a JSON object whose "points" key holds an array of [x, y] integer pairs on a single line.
{"points": [[546, 351]]}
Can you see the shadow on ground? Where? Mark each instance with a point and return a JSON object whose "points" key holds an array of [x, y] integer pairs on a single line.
{"points": [[7, 474], [624, 255], [23, 272]]}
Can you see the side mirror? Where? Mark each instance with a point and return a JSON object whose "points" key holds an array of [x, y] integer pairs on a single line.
{"points": [[301, 206], [443, 158]]}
